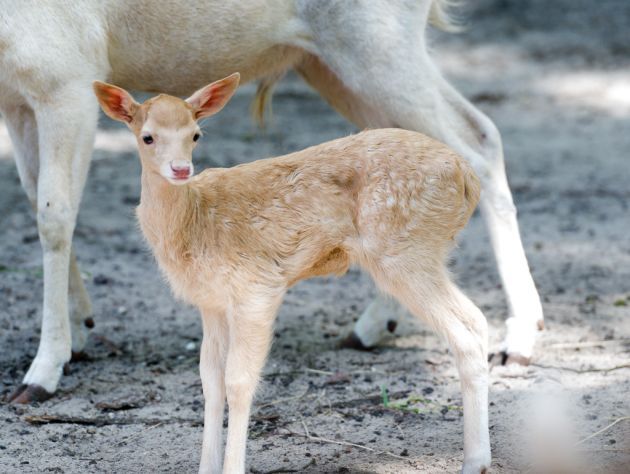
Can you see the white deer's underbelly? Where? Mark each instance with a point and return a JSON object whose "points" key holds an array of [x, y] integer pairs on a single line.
{"points": [[188, 45]]}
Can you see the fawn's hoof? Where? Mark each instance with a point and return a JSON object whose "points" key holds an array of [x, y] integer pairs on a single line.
{"points": [[26, 394], [504, 358], [352, 341]]}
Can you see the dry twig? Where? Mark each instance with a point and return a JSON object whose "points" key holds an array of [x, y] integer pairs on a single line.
{"points": [[282, 400], [605, 428], [585, 344], [277, 471], [298, 372], [583, 371], [105, 420], [319, 439], [134, 436]]}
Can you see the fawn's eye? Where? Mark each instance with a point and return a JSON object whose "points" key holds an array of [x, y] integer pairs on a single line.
{"points": [[148, 139], [196, 137]]}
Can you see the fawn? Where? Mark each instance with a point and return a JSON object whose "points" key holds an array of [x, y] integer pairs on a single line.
{"points": [[232, 241]]}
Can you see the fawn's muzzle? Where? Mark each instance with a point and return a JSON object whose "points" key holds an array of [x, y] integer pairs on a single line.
{"points": [[181, 169]]}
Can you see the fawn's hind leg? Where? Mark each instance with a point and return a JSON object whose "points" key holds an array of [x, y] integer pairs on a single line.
{"points": [[431, 296], [371, 63]]}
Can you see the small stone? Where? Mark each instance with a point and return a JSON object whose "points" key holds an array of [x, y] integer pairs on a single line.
{"points": [[101, 279]]}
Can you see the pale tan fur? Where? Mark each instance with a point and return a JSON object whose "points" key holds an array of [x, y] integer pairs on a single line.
{"points": [[231, 241], [313, 212]]}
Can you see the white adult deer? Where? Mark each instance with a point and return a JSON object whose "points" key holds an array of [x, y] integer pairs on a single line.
{"points": [[368, 59], [232, 241]]}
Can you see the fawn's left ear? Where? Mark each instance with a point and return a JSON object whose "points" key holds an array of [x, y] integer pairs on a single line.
{"points": [[212, 98], [117, 103]]}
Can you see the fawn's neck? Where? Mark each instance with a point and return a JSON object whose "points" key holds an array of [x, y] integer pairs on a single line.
{"points": [[166, 214]]}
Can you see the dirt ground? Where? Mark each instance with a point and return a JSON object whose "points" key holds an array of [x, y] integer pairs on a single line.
{"points": [[555, 77]]}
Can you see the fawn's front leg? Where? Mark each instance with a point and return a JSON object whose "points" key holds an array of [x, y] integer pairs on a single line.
{"points": [[212, 369], [250, 326]]}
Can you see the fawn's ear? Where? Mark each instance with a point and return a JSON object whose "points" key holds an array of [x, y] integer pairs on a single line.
{"points": [[117, 103], [210, 99]]}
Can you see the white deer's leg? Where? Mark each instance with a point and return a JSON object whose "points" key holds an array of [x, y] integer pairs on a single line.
{"points": [[430, 296], [374, 69], [212, 371], [250, 332], [66, 123], [22, 128], [379, 320], [526, 313], [80, 310]]}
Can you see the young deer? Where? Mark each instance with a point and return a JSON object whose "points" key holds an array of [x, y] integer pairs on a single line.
{"points": [[231, 241]]}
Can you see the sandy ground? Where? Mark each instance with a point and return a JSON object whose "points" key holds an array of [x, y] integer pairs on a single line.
{"points": [[555, 76]]}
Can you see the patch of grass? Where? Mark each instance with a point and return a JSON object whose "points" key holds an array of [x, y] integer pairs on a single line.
{"points": [[620, 302], [416, 404], [37, 272], [385, 396], [591, 299]]}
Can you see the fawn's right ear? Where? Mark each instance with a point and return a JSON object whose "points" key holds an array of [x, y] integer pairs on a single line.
{"points": [[117, 103], [209, 100]]}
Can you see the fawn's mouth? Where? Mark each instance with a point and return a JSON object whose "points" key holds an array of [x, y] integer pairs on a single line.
{"points": [[178, 172], [181, 174]]}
